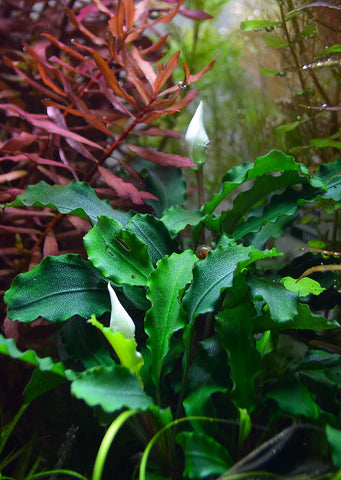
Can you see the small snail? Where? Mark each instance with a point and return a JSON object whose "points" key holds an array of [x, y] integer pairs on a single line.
{"points": [[202, 251]]}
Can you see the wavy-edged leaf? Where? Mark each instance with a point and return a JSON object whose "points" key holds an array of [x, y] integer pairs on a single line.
{"points": [[176, 218], [204, 456], [154, 234], [235, 327], [294, 398], [57, 289], [166, 315], [46, 364], [111, 388], [216, 272], [77, 198], [119, 254]]}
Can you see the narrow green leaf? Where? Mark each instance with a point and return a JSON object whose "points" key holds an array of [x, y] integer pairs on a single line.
{"points": [[325, 143], [119, 254], [154, 234], [216, 272], [271, 41], [166, 315], [294, 398], [249, 25], [176, 218], [235, 326], [77, 198], [266, 71], [57, 289], [111, 388], [46, 364], [203, 455]]}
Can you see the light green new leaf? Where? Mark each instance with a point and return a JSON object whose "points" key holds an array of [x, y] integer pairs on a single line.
{"points": [[203, 455], [119, 254], [111, 388], [57, 289], [216, 272], [125, 348], [77, 198], [154, 234], [40, 383], [305, 286], [235, 327], [272, 41], [166, 315]]}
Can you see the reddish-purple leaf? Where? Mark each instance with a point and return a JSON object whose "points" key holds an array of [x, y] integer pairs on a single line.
{"points": [[40, 122], [195, 14], [157, 132], [19, 142], [161, 158], [123, 189]]}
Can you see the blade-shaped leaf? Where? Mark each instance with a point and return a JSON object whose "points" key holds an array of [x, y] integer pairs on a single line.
{"points": [[166, 314], [216, 272], [111, 388], [119, 254], [57, 289], [235, 326], [154, 234], [77, 198], [162, 158]]}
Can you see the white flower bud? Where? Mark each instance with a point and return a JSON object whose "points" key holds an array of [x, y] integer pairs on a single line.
{"points": [[196, 138], [120, 321]]}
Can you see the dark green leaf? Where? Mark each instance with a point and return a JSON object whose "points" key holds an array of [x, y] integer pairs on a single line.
{"points": [[111, 388], [120, 255], [294, 398], [334, 439], [166, 315], [85, 343], [235, 327], [203, 455], [216, 272], [57, 289], [154, 234], [77, 198], [40, 383], [330, 175]]}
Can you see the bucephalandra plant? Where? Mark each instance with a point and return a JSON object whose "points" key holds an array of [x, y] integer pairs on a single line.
{"points": [[201, 368]]}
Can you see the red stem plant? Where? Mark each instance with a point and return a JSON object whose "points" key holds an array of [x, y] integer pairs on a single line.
{"points": [[84, 80]]}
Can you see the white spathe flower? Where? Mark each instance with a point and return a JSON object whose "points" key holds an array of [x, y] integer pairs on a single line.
{"points": [[120, 321], [196, 137]]}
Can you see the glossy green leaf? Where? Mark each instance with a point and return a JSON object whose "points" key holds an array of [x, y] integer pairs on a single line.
{"points": [[166, 315], [83, 343], [203, 455], [111, 388], [57, 289], [329, 174], [334, 439], [77, 198], [46, 364], [281, 302], [119, 254], [235, 327], [294, 398], [154, 234], [216, 272], [250, 25], [307, 320], [176, 218], [274, 161]]}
